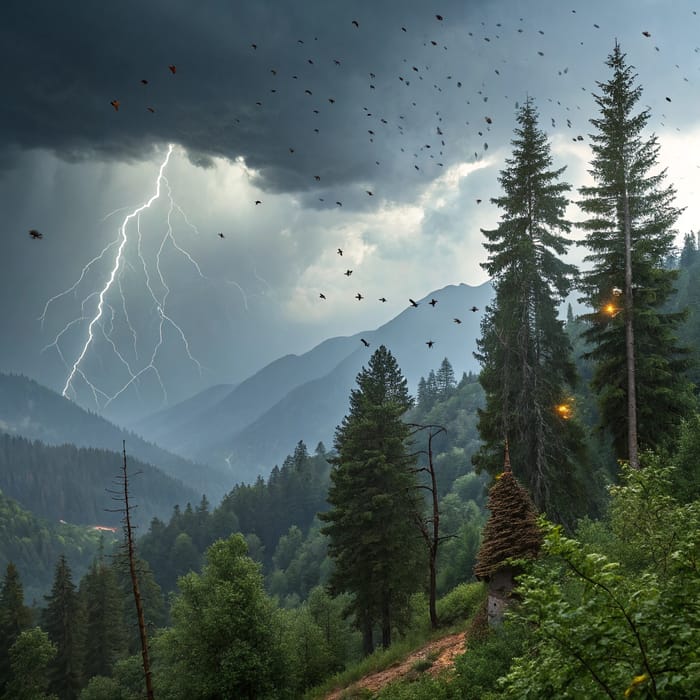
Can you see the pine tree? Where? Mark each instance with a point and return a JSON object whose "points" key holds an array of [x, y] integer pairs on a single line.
{"points": [[15, 617], [445, 378], [527, 369], [639, 365], [61, 622], [105, 636], [374, 541]]}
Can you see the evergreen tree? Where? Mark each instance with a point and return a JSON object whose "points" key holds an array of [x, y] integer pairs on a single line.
{"points": [[527, 369], [638, 374], [61, 622], [689, 252], [374, 540], [445, 378], [105, 637], [15, 617]]}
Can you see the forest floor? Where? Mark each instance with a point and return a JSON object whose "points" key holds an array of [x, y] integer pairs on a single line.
{"points": [[439, 653]]}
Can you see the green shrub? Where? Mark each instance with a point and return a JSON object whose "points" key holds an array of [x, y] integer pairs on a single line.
{"points": [[460, 603]]}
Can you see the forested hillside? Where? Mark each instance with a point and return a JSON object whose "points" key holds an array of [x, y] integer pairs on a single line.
{"points": [[72, 484], [34, 545], [32, 411]]}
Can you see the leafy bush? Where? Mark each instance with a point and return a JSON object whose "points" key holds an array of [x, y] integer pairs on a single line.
{"points": [[460, 603]]}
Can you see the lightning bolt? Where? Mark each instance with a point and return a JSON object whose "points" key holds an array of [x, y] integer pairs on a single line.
{"points": [[101, 322]]}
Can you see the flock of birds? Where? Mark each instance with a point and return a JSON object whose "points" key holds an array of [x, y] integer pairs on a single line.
{"points": [[377, 122]]}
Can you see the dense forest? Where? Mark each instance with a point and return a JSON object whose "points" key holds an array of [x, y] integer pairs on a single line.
{"points": [[548, 508]]}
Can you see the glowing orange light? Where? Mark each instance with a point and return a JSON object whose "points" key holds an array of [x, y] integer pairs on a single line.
{"points": [[564, 410], [609, 309]]}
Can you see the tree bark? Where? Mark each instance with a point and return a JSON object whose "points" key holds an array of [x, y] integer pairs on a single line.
{"points": [[135, 585], [632, 444]]}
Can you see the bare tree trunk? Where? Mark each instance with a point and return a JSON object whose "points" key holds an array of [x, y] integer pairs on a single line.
{"points": [[632, 446], [433, 546], [135, 584]]}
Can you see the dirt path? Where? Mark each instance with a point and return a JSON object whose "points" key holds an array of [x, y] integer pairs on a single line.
{"points": [[441, 651]]}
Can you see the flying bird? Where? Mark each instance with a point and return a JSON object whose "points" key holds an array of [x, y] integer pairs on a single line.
{"points": [[474, 308], [151, 110], [382, 299], [355, 24], [115, 104], [414, 304], [322, 295], [359, 297], [371, 194], [456, 320], [438, 18], [144, 81], [220, 235], [347, 273], [364, 342], [430, 343], [340, 251], [646, 34], [258, 201], [432, 302], [173, 68], [35, 234]]}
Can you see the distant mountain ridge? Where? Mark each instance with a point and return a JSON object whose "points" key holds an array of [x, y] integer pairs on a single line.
{"points": [[32, 411], [254, 427]]}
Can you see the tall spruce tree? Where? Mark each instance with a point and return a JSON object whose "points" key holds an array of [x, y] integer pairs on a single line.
{"points": [[374, 540], [527, 368], [105, 635], [61, 621], [639, 365], [15, 617]]}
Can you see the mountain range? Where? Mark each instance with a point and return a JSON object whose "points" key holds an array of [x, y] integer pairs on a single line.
{"points": [[229, 434], [247, 430]]}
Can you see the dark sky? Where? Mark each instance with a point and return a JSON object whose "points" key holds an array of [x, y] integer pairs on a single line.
{"points": [[294, 105]]}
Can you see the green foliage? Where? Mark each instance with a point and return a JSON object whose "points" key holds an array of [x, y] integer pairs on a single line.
{"points": [[608, 628], [152, 600], [461, 603], [488, 658], [527, 368], [15, 617], [104, 636], [264, 510], [102, 688], [225, 640], [34, 545], [30, 656], [628, 194], [68, 483], [454, 410], [422, 688], [62, 622], [686, 476], [373, 539]]}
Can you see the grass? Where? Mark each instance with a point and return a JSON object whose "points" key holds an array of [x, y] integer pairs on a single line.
{"points": [[385, 658]]}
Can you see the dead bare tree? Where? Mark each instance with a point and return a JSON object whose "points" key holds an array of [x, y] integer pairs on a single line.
{"points": [[123, 497], [430, 526]]}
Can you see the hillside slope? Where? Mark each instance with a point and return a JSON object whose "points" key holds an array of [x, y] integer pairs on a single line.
{"points": [[30, 410]]}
